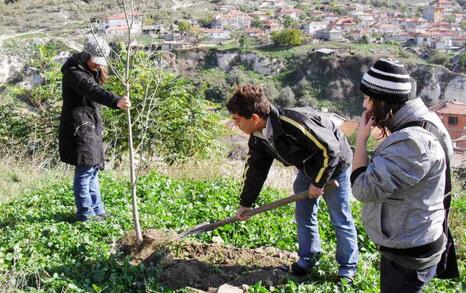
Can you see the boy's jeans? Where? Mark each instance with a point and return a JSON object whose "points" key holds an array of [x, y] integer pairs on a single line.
{"points": [[86, 192], [339, 208]]}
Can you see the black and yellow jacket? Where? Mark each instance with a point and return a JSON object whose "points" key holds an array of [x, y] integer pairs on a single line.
{"points": [[301, 138]]}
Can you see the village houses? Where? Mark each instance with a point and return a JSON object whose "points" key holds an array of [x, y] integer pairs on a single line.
{"points": [[358, 22], [216, 34], [234, 20], [293, 13], [311, 28], [117, 24]]}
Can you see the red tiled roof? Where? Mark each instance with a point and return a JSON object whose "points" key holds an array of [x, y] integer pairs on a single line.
{"points": [[344, 20], [234, 14], [450, 108], [436, 34], [121, 16], [254, 30]]}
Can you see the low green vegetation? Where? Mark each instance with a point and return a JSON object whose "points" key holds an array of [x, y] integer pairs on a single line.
{"points": [[42, 249]]}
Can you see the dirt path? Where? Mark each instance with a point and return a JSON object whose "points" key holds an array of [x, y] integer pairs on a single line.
{"points": [[207, 266], [179, 4], [6, 37]]}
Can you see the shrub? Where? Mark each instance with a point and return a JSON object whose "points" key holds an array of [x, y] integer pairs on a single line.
{"points": [[440, 58], [288, 37], [462, 62], [286, 97]]}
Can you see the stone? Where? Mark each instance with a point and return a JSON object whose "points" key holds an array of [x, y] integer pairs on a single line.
{"points": [[9, 66], [226, 288], [62, 57], [456, 89], [217, 240], [224, 60]]}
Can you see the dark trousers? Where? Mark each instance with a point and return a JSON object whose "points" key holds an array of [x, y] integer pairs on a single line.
{"points": [[396, 279]]}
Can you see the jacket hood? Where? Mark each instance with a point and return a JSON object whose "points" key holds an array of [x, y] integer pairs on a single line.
{"points": [[411, 111], [76, 60]]}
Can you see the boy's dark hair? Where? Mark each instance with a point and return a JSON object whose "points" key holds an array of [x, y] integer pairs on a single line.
{"points": [[247, 100]]}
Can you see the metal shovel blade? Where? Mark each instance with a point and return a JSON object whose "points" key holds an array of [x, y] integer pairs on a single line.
{"points": [[194, 230]]}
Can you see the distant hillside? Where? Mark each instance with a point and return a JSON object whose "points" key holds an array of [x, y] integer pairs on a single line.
{"points": [[62, 17]]}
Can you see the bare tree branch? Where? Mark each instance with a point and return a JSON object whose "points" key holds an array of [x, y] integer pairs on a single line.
{"points": [[94, 34]]}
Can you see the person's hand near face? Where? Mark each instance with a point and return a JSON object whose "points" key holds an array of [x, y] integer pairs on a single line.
{"points": [[367, 121]]}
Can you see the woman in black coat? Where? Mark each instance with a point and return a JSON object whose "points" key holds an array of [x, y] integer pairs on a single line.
{"points": [[80, 132]]}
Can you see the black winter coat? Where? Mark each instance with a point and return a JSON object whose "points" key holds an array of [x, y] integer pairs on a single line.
{"points": [[80, 131], [301, 138]]}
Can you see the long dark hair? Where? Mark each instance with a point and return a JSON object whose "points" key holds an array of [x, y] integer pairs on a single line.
{"points": [[103, 74], [383, 111]]}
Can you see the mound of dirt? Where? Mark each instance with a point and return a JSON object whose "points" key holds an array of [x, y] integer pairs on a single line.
{"points": [[155, 243], [206, 266]]}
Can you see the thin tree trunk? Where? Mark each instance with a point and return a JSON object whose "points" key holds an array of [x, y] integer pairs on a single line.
{"points": [[134, 199]]}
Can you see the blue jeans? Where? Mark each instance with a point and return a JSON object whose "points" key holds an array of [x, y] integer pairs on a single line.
{"points": [[339, 208], [86, 192], [395, 278]]}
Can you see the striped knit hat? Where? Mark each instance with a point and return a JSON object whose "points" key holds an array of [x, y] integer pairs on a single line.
{"points": [[387, 80]]}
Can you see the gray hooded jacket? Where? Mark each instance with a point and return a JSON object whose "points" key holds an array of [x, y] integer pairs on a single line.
{"points": [[402, 187]]}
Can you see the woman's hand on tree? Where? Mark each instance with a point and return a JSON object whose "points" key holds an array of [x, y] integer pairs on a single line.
{"points": [[124, 103]]}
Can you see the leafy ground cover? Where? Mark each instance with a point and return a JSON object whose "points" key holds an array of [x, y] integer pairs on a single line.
{"points": [[42, 249]]}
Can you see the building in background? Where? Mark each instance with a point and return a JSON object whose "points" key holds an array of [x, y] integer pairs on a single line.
{"points": [[117, 24], [453, 116]]}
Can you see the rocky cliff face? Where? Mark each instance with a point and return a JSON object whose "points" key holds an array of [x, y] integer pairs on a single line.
{"points": [[261, 65], [436, 83], [337, 77]]}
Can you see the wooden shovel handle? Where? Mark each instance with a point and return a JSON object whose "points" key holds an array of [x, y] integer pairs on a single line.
{"points": [[264, 208], [283, 201], [261, 209]]}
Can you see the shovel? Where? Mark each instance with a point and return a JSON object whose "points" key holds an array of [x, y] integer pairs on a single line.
{"points": [[204, 227]]}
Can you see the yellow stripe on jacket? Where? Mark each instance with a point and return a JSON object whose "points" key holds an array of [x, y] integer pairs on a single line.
{"points": [[314, 140], [246, 167]]}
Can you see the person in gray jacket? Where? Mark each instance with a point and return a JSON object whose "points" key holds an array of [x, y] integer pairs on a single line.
{"points": [[402, 186]]}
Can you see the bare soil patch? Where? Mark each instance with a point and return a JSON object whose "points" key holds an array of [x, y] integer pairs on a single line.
{"points": [[206, 266]]}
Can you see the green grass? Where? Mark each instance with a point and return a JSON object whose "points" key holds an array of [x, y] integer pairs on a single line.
{"points": [[284, 52], [16, 180], [228, 45], [45, 251]]}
